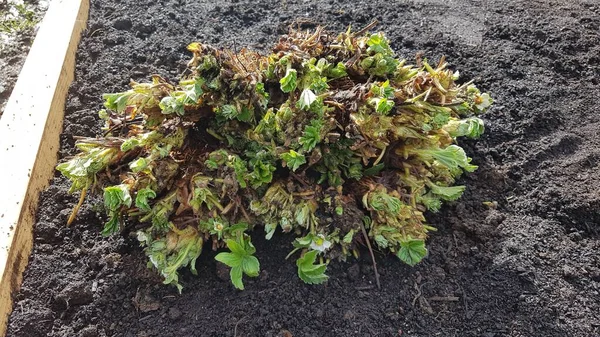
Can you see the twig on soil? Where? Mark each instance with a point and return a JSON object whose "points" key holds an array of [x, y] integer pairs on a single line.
{"points": [[144, 318], [364, 231], [418, 289], [236, 325], [464, 296], [367, 27], [365, 288], [455, 244], [96, 31], [445, 298], [423, 303]]}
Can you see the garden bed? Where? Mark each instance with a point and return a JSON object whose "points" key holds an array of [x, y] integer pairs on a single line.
{"points": [[527, 267]]}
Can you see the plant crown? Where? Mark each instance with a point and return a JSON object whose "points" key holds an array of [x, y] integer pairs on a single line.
{"points": [[324, 136]]}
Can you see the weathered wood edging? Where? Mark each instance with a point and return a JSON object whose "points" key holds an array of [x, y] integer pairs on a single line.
{"points": [[29, 137]]}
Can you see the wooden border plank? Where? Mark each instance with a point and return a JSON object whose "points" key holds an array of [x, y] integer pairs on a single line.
{"points": [[29, 137]]}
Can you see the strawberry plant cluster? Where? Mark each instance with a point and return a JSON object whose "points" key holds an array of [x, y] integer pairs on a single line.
{"points": [[330, 137]]}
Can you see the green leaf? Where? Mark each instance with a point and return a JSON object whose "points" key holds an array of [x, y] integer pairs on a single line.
{"points": [[241, 171], [371, 171], [412, 251], [381, 241], [308, 271], [141, 199], [382, 105], [251, 266], [228, 111], [288, 82], [246, 115], [171, 104], [117, 101], [129, 144], [270, 230], [111, 227], [306, 99], [236, 248], [293, 159], [431, 201], [312, 135], [236, 277], [378, 44], [262, 94], [230, 259], [379, 200], [383, 89], [103, 114], [262, 174], [248, 246], [349, 236], [452, 157], [138, 165], [116, 196], [319, 84], [380, 64], [338, 71], [471, 127], [240, 259], [449, 193]]}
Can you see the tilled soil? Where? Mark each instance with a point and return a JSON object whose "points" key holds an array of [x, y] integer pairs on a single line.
{"points": [[529, 267]]}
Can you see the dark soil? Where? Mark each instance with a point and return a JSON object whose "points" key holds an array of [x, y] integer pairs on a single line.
{"points": [[529, 267], [14, 46]]}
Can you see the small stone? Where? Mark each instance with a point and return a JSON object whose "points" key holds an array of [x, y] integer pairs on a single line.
{"points": [[349, 315], [575, 236], [223, 272], [174, 314], [111, 260], [264, 276], [89, 331], [122, 24], [569, 272], [146, 302], [367, 269], [353, 272], [76, 294]]}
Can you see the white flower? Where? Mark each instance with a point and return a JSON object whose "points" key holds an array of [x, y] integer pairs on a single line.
{"points": [[320, 243], [456, 75], [218, 226], [483, 101]]}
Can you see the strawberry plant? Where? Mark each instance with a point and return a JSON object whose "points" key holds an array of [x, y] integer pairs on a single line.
{"points": [[330, 137]]}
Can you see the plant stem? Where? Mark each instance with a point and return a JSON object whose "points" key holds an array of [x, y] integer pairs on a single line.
{"points": [[364, 231], [76, 208]]}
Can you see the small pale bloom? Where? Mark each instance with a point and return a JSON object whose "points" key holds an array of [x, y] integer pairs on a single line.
{"points": [[483, 101], [320, 244]]}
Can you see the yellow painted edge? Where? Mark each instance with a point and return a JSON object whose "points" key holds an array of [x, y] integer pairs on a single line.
{"points": [[29, 137]]}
